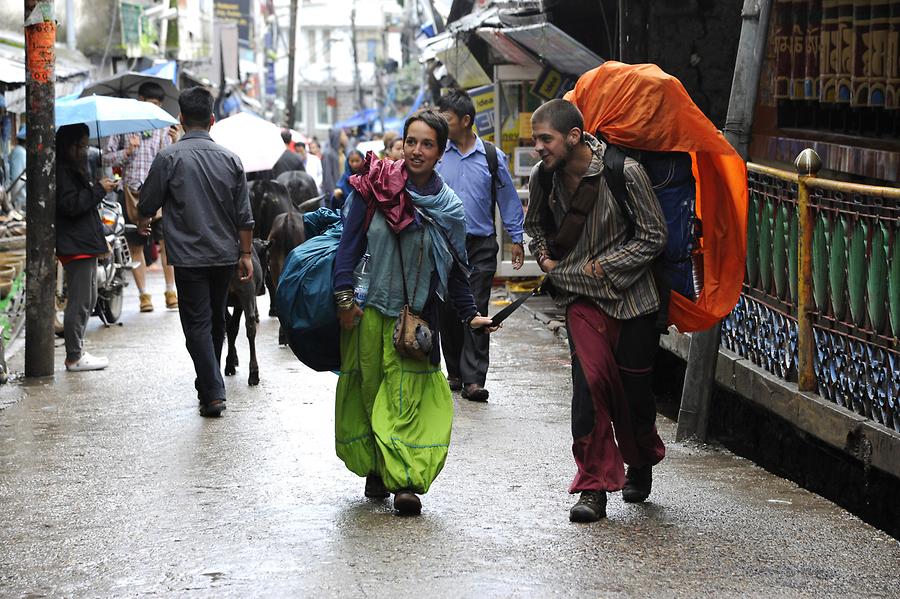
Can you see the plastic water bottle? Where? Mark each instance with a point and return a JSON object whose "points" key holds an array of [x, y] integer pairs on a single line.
{"points": [[361, 278]]}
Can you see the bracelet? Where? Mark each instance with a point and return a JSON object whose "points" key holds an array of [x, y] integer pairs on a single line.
{"points": [[248, 253], [343, 299], [468, 321]]}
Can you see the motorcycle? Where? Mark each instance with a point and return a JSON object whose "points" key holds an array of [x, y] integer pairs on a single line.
{"points": [[111, 268]]}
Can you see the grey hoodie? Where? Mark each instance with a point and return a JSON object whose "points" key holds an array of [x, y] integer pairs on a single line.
{"points": [[331, 163]]}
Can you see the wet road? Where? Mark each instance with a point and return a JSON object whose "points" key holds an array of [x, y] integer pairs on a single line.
{"points": [[112, 485]]}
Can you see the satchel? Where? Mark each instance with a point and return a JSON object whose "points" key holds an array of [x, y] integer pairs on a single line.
{"points": [[412, 337]]}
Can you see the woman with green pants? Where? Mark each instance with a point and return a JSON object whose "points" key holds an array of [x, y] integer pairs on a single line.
{"points": [[393, 413]]}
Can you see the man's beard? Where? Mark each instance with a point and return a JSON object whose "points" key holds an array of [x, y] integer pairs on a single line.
{"points": [[561, 163]]}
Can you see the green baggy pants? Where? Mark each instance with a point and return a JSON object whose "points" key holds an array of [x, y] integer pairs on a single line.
{"points": [[392, 415]]}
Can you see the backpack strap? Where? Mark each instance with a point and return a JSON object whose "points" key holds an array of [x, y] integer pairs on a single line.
{"points": [[614, 173], [490, 153]]}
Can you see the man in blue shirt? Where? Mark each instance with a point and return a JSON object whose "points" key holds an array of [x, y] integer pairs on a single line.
{"points": [[464, 167]]}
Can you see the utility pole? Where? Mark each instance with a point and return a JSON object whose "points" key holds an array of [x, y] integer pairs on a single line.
{"points": [[699, 377], [292, 50], [40, 147], [357, 88], [633, 20]]}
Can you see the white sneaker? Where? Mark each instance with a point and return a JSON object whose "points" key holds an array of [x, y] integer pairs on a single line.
{"points": [[88, 362]]}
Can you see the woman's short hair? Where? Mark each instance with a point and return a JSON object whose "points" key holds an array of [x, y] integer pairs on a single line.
{"points": [[433, 119]]}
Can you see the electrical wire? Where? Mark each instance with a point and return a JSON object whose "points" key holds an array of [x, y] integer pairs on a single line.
{"points": [[609, 39]]}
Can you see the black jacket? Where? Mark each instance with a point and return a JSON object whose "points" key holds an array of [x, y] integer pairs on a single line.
{"points": [[78, 226], [289, 161]]}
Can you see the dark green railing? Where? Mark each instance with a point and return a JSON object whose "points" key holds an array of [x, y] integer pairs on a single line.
{"points": [[821, 298]]}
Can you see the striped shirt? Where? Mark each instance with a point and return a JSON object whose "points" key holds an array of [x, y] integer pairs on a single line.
{"points": [[135, 167], [626, 288]]}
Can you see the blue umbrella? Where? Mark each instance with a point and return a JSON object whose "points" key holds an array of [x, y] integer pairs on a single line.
{"points": [[107, 116]]}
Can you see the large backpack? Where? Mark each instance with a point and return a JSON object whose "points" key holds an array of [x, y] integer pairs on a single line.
{"points": [[305, 297], [671, 176]]}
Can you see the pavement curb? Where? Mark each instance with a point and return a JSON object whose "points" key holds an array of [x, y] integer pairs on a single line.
{"points": [[866, 441]]}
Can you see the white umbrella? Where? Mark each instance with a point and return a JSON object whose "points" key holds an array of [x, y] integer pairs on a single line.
{"points": [[257, 142]]}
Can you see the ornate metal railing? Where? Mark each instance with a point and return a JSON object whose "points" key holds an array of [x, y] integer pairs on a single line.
{"points": [[821, 298]]}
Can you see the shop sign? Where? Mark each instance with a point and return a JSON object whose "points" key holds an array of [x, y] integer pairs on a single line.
{"points": [[483, 98], [235, 11], [551, 84]]}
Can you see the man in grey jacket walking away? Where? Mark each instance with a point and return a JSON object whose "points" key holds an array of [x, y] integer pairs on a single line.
{"points": [[208, 227]]}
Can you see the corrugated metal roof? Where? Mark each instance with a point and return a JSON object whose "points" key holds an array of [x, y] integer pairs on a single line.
{"points": [[12, 60], [554, 46], [508, 49]]}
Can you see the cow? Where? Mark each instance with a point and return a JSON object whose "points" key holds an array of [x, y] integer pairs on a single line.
{"points": [[287, 233], [242, 298], [301, 187], [268, 199]]}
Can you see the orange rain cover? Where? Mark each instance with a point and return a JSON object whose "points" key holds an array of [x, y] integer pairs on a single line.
{"points": [[642, 107]]}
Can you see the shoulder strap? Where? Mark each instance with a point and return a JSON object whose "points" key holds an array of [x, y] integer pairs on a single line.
{"points": [[490, 152], [614, 173]]}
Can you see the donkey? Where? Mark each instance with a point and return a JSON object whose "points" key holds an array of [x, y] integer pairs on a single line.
{"points": [[242, 298], [287, 233]]}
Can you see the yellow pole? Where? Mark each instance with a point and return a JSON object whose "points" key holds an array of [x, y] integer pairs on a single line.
{"points": [[808, 164]]}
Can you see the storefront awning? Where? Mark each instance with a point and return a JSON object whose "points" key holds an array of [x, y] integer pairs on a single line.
{"points": [[458, 59], [508, 49], [553, 46], [72, 70]]}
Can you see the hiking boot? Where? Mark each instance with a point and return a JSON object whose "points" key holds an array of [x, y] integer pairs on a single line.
{"points": [[87, 362], [455, 383], [171, 300], [475, 392], [146, 302], [638, 482], [407, 503], [591, 507], [375, 488]]}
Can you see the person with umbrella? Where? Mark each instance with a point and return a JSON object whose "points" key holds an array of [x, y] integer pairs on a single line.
{"points": [[134, 153], [79, 240]]}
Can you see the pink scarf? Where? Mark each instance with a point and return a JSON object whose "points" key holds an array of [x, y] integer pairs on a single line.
{"points": [[382, 184]]}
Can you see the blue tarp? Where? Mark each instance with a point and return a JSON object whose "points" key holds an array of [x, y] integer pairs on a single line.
{"points": [[167, 70], [360, 119]]}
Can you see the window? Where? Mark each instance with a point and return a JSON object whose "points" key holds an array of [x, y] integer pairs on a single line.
{"points": [[311, 45], [326, 44], [298, 110], [371, 50], [323, 110]]}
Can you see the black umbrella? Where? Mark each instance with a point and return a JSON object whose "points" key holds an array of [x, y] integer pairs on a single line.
{"points": [[125, 85]]}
